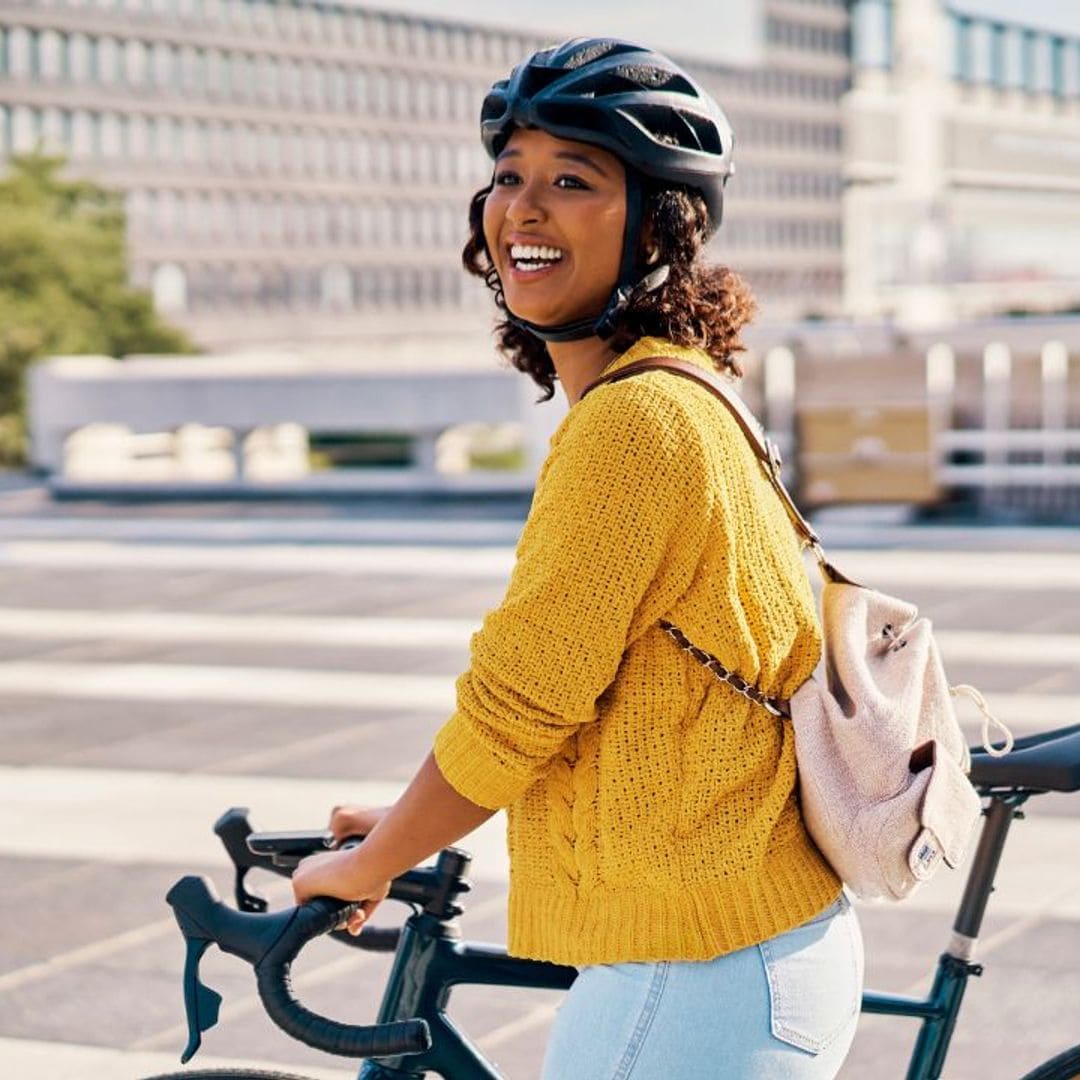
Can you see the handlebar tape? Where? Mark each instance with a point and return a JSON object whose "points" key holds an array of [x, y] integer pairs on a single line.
{"points": [[275, 989], [270, 943]]}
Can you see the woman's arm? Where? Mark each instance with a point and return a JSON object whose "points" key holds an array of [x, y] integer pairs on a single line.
{"points": [[429, 815]]}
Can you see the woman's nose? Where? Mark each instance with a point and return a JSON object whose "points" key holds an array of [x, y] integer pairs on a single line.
{"points": [[526, 207]]}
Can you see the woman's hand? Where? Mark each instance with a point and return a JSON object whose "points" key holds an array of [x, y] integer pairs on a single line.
{"points": [[346, 821], [343, 875], [429, 815]]}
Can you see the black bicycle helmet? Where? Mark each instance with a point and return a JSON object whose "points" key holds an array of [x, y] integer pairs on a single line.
{"points": [[640, 106]]}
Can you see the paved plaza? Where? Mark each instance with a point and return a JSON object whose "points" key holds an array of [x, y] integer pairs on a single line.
{"points": [[160, 664]]}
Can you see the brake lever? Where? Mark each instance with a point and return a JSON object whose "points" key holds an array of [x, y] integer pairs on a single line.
{"points": [[233, 828], [201, 919], [270, 944]]}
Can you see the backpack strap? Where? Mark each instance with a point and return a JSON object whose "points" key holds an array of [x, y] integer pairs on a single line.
{"points": [[764, 448]]}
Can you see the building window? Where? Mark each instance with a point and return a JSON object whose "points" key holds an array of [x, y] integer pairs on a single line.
{"points": [[135, 63], [1057, 66], [214, 74], [981, 56], [309, 24], [291, 86], [245, 87], [264, 16], [5, 131], [339, 88], [961, 50], [162, 65], [34, 58], [169, 289], [367, 226], [462, 101], [108, 66], [137, 142], [1028, 58], [1043, 65], [276, 150], [50, 55], [996, 54], [110, 136], [333, 26], [358, 90], [18, 51], [1012, 57], [26, 128], [335, 288], [1071, 75], [312, 85]]}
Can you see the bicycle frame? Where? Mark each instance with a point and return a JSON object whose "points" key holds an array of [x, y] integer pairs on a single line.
{"points": [[939, 1009], [431, 959], [429, 962]]}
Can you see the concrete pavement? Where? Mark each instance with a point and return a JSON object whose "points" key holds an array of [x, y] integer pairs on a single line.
{"points": [[153, 673]]}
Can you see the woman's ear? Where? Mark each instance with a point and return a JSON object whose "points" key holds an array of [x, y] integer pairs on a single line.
{"points": [[650, 252]]}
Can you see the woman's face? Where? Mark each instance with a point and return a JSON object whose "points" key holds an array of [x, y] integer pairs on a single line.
{"points": [[553, 224]]}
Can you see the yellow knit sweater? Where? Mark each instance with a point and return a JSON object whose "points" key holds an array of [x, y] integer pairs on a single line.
{"points": [[652, 813]]}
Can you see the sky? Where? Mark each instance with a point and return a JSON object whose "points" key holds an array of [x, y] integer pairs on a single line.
{"points": [[728, 31]]}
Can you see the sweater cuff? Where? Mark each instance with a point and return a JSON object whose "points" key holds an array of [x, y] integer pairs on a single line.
{"points": [[469, 767]]}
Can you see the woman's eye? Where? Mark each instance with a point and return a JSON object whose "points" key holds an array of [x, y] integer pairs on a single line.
{"points": [[572, 182], [504, 179]]}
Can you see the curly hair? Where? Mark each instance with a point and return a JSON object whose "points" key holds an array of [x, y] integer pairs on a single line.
{"points": [[698, 305]]}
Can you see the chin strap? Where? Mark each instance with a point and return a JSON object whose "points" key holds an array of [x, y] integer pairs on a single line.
{"points": [[628, 288], [603, 325]]}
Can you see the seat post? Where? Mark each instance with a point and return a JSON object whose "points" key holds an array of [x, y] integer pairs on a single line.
{"points": [[980, 881]]}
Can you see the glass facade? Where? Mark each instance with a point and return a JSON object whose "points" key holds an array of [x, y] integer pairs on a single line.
{"points": [[1007, 56]]}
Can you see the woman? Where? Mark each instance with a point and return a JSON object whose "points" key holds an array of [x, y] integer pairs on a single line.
{"points": [[654, 831]]}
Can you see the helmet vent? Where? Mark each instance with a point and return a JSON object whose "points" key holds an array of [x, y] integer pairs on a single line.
{"points": [[654, 78], [575, 55], [535, 78], [673, 127], [706, 136]]}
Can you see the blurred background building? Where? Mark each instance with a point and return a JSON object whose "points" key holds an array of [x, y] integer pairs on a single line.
{"points": [[298, 171], [962, 165]]}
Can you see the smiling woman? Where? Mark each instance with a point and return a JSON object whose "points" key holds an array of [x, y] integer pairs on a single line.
{"points": [[655, 835], [644, 191]]}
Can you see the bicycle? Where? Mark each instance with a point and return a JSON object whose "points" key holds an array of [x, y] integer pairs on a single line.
{"points": [[413, 1036]]}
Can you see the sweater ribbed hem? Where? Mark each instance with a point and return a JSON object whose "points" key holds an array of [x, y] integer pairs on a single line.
{"points": [[612, 925]]}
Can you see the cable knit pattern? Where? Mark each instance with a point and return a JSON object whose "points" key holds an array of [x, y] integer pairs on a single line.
{"points": [[652, 810]]}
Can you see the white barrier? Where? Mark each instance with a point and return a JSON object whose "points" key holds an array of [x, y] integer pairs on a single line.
{"points": [[240, 425]]}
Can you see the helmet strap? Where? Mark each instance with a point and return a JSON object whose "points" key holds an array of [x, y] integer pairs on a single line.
{"points": [[628, 287]]}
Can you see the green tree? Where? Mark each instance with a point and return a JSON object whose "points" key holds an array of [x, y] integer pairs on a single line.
{"points": [[64, 282]]}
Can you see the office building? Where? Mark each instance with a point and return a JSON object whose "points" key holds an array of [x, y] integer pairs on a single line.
{"points": [[962, 165], [299, 171]]}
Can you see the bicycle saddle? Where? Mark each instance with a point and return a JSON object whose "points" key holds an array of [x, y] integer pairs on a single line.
{"points": [[1049, 761]]}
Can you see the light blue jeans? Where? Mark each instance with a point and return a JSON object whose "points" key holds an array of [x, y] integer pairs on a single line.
{"points": [[782, 1010]]}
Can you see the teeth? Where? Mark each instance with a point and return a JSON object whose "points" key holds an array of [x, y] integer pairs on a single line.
{"points": [[535, 252]]}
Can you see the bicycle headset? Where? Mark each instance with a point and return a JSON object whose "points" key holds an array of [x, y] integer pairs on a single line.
{"points": [[643, 108]]}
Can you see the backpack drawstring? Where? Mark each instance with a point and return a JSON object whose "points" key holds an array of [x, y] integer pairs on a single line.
{"points": [[988, 718]]}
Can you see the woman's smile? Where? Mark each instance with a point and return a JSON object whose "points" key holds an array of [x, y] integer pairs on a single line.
{"points": [[553, 224], [532, 260]]}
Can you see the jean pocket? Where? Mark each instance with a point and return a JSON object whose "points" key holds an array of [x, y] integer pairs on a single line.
{"points": [[814, 974]]}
